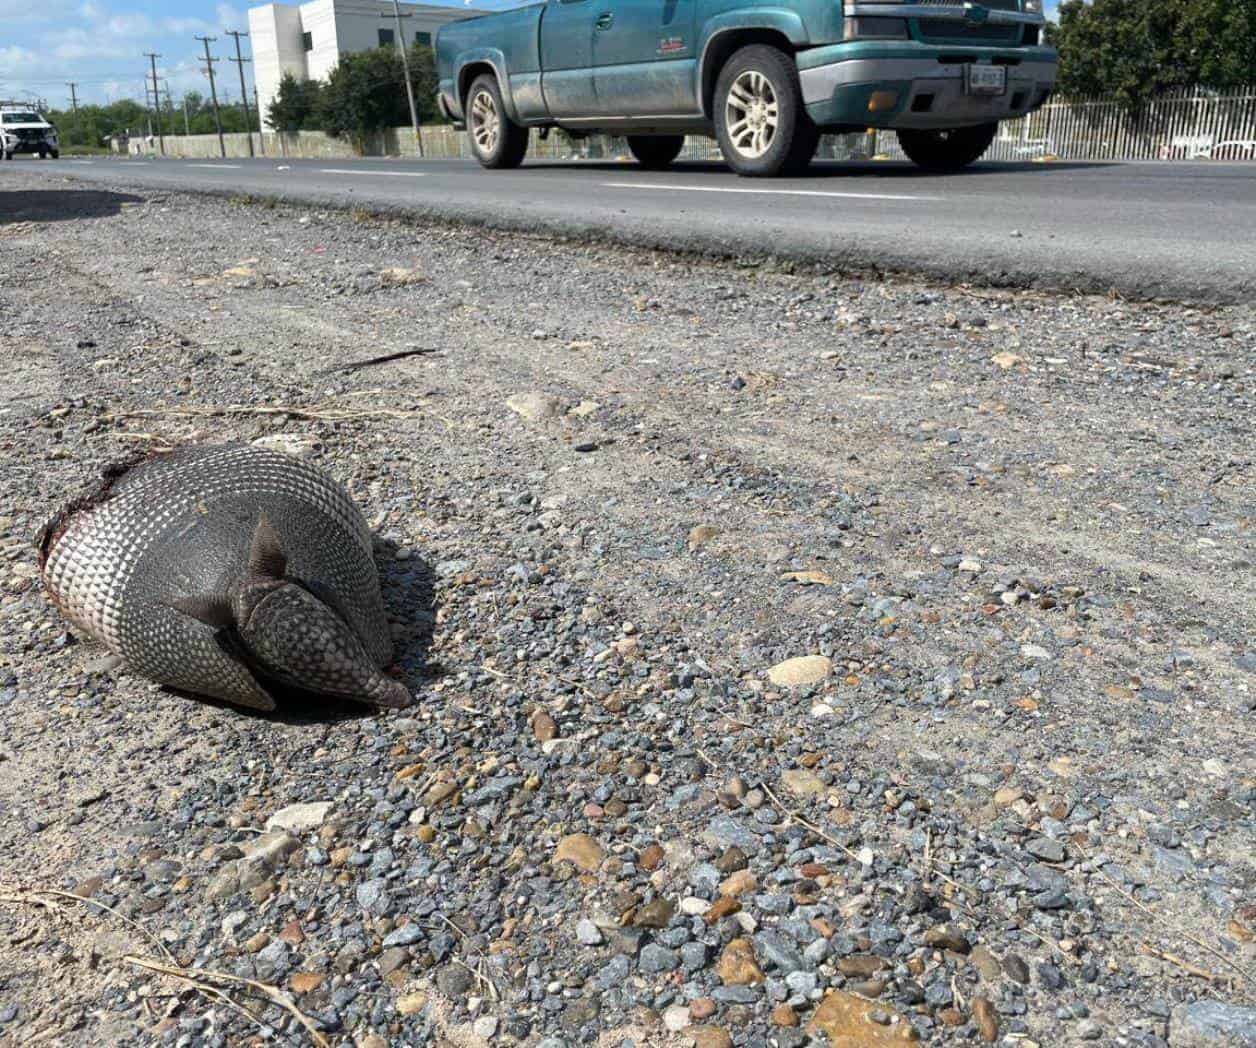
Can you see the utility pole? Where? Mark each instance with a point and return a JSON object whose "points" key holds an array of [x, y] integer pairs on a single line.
{"points": [[187, 124], [152, 58], [73, 96], [257, 108], [213, 91], [405, 65], [244, 92]]}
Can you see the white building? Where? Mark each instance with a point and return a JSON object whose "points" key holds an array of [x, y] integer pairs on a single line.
{"points": [[307, 40]]}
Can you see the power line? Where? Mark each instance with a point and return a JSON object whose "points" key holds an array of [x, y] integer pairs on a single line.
{"points": [[244, 94], [213, 90]]}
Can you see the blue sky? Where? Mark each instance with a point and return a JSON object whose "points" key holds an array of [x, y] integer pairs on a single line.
{"points": [[100, 44]]}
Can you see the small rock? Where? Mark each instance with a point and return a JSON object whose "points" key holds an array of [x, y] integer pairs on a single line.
{"points": [[946, 937], [737, 965], [846, 1020], [1046, 849], [784, 1015], [800, 671], [987, 1019], [710, 1037], [534, 406], [410, 1003], [655, 914], [1212, 1024], [676, 1017], [802, 783], [580, 850], [300, 818], [656, 959], [485, 1026], [544, 726], [701, 534], [588, 933]]}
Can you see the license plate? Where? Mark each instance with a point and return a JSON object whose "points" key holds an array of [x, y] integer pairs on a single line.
{"points": [[985, 79]]}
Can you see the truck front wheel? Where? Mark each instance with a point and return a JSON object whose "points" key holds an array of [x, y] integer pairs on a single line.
{"points": [[655, 152], [947, 150], [760, 120], [496, 140]]}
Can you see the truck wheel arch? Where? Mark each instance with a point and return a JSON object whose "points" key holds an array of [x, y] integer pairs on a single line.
{"points": [[492, 63], [724, 36]]}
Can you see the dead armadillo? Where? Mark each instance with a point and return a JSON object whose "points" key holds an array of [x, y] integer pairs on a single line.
{"points": [[229, 571]]}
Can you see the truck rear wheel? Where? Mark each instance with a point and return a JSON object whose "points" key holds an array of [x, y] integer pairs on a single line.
{"points": [[655, 152], [949, 149], [760, 120], [496, 140]]}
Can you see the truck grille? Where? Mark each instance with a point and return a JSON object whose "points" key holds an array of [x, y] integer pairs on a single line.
{"points": [[983, 33]]}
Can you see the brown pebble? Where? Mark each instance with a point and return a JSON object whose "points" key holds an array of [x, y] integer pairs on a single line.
{"points": [[701, 1008], [257, 942], [710, 1037], [987, 1019], [863, 964], [784, 1015], [544, 726], [292, 933], [950, 1017], [721, 908], [650, 857]]}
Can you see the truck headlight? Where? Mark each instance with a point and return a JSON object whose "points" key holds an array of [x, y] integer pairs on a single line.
{"points": [[875, 29]]}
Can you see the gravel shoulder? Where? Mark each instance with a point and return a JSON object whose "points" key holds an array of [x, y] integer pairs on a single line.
{"points": [[1009, 794]]}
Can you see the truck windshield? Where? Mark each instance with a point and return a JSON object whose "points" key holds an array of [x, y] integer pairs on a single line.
{"points": [[20, 118]]}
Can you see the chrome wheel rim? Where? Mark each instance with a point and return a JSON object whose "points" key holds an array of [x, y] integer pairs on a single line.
{"points": [[485, 123], [751, 114]]}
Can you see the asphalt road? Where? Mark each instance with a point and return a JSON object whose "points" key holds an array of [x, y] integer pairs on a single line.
{"points": [[1185, 230]]}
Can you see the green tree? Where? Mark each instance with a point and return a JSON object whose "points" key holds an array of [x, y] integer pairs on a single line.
{"points": [[1137, 49], [298, 105], [366, 92], [91, 125]]}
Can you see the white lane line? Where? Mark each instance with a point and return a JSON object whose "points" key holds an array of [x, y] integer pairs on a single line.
{"points": [[353, 171], [230, 166], [766, 192], [85, 162]]}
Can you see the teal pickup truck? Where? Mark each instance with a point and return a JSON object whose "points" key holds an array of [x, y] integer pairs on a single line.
{"points": [[765, 79]]}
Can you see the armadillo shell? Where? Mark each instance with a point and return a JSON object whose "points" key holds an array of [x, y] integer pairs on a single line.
{"points": [[178, 525]]}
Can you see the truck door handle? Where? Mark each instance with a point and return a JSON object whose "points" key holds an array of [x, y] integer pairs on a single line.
{"points": [[605, 20]]}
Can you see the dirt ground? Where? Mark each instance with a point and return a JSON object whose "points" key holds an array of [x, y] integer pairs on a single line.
{"points": [[1013, 800]]}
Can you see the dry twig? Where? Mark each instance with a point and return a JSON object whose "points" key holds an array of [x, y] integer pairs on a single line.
{"points": [[203, 979]]}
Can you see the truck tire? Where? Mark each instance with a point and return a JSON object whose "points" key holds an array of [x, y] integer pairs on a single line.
{"points": [[655, 152], [55, 154], [760, 121], [496, 140], [947, 150]]}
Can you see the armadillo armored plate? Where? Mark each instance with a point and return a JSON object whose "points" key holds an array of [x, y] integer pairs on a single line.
{"points": [[226, 570]]}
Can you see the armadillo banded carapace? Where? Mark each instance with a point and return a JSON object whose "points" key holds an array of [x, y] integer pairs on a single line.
{"points": [[226, 570]]}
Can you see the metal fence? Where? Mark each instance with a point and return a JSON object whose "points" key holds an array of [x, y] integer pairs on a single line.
{"points": [[1188, 124]]}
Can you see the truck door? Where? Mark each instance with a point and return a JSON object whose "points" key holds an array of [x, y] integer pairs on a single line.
{"points": [[644, 57], [567, 57]]}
